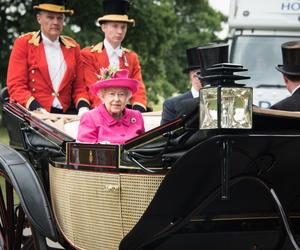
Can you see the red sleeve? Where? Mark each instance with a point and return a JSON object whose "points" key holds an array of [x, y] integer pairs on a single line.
{"points": [[89, 71], [17, 75], [140, 96], [80, 91]]}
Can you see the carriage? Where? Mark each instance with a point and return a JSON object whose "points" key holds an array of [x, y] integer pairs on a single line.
{"points": [[173, 187]]}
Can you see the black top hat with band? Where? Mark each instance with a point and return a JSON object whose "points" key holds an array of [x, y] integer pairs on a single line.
{"points": [[115, 11], [192, 59], [291, 58], [57, 6], [212, 54]]}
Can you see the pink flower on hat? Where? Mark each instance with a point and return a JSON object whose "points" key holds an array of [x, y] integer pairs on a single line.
{"points": [[110, 78]]}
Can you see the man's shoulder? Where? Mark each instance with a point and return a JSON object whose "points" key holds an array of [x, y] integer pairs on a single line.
{"points": [[69, 42], [129, 52], [30, 37], [97, 48], [180, 97]]}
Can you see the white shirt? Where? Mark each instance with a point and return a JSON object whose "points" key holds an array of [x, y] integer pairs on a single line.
{"points": [[56, 65], [113, 54], [195, 92]]}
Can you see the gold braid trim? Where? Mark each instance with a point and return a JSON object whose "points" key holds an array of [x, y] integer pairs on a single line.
{"points": [[36, 38], [68, 42], [97, 48], [126, 50]]}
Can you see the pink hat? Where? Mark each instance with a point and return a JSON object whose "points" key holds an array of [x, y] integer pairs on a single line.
{"points": [[114, 79]]}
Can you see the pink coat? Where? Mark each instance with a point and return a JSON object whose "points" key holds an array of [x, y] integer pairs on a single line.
{"points": [[98, 125]]}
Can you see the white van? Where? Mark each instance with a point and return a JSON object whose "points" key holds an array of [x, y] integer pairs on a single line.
{"points": [[256, 31]]}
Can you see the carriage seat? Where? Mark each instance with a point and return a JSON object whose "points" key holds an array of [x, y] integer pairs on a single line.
{"points": [[69, 123]]}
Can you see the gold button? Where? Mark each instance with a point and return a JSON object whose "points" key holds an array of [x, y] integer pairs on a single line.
{"points": [[57, 94], [33, 71], [33, 90], [33, 80], [53, 94]]}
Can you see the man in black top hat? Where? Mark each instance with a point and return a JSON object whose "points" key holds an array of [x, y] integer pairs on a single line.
{"points": [[110, 54], [199, 58], [291, 76], [169, 111]]}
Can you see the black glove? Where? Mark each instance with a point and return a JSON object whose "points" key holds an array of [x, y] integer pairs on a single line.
{"points": [[139, 108], [34, 105]]}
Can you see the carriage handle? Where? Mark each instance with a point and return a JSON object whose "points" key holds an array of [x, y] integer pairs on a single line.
{"points": [[147, 170]]}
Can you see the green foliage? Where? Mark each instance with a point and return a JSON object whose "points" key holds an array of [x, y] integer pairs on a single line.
{"points": [[164, 30]]}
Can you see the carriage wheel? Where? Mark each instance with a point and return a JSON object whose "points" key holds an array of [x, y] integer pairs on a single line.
{"points": [[15, 230]]}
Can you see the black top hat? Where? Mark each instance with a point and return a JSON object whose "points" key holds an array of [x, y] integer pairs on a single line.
{"points": [[115, 10], [290, 58], [192, 59], [57, 6], [212, 54]]}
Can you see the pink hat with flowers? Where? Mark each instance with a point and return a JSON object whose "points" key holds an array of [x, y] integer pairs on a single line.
{"points": [[111, 79]]}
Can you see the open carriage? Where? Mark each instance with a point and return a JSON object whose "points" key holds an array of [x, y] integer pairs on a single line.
{"points": [[173, 187]]}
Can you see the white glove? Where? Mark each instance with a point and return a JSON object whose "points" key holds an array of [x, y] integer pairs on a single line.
{"points": [[82, 110], [41, 111], [104, 142]]}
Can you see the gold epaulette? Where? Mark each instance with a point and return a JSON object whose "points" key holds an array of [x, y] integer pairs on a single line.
{"points": [[97, 48], [35, 39], [126, 50], [68, 42], [28, 33]]}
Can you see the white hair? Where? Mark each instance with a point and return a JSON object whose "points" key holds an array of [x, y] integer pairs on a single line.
{"points": [[101, 93]]}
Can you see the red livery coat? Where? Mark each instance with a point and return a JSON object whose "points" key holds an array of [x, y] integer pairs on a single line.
{"points": [[94, 58], [28, 76]]}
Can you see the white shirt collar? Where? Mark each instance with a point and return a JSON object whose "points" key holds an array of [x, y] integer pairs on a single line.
{"points": [[110, 50], [295, 89], [195, 92], [48, 42]]}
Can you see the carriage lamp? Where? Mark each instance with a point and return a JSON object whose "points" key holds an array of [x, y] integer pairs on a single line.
{"points": [[225, 104]]}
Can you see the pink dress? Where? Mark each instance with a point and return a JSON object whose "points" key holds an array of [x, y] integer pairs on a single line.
{"points": [[98, 125]]}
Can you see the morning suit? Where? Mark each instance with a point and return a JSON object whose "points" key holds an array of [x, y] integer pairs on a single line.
{"points": [[291, 103], [98, 125], [171, 107], [28, 78], [94, 58]]}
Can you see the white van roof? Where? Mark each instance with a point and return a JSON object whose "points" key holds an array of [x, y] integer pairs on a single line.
{"points": [[265, 14]]}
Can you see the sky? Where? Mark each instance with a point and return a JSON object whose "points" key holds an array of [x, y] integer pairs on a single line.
{"points": [[223, 6]]}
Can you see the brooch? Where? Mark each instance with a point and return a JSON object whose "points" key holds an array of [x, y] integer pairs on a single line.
{"points": [[133, 120]]}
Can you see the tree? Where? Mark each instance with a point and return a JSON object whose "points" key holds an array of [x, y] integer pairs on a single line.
{"points": [[164, 30]]}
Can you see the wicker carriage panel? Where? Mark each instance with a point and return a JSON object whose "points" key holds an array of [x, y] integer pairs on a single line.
{"points": [[87, 207], [136, 193], [95, 210]]}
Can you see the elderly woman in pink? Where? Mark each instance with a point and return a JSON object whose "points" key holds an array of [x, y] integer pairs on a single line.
{"points": [[111, 121]]}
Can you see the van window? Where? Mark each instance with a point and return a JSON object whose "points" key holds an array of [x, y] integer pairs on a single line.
{"points": [[260, 55]]}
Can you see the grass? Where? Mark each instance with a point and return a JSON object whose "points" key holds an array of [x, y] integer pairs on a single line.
{"points": [[3, 135], [5, 140]]}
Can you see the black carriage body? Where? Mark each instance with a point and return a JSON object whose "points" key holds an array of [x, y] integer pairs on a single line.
{"points": [[229, 189]]}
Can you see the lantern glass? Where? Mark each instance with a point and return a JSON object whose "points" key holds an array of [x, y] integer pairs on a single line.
{"points": [[208, 108], [226, 107]]}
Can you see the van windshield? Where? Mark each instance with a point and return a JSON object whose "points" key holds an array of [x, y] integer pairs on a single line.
{"points": [[260, 55]]}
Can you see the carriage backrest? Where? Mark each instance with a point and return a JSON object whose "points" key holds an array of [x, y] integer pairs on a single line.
{"points": [[4, 96]]}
